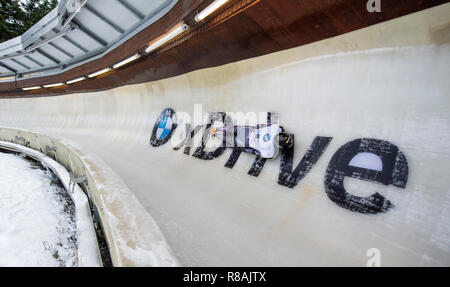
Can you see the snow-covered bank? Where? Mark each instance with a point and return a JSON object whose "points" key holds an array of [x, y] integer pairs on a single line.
{"points": [[133, 238], [37, 218]]}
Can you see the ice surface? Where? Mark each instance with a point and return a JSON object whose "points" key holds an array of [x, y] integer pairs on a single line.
{"points": [[378, 85]]}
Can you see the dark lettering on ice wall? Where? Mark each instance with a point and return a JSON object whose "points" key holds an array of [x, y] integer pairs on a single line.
{"points": [[387, 165], [366, 159]]}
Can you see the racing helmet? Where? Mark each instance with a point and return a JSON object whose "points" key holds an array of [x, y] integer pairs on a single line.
{"points": [[286, 140]]}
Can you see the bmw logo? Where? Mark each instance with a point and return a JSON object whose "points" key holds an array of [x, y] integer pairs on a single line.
{"points": [[266, 138], [164, 127]]}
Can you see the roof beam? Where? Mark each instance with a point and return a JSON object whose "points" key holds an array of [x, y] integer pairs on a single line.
{"points": [[75, 44], [47, 40], [61, 50], [54, 60], [11, 56], [34, 61], [131, 9], [69, 18], [8, 67], [103, 18], [19, 63], [90, 34]]}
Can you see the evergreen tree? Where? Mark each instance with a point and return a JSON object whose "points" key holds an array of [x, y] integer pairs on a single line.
{"points": [[17, 16]]}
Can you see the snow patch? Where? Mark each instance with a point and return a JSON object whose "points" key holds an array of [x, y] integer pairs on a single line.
{"points": [[37, 226]]}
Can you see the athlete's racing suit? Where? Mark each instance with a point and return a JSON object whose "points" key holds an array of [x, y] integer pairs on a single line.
{"points": [[261, 140]]}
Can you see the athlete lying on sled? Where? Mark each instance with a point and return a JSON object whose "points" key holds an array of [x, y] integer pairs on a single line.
{"points": [[262, 140]]}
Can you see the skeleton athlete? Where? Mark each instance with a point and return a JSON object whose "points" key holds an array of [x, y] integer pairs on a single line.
{"points": [[262, 140]]}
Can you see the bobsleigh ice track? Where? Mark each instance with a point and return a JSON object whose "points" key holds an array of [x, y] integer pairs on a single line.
{"points": [[386, 84]]}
